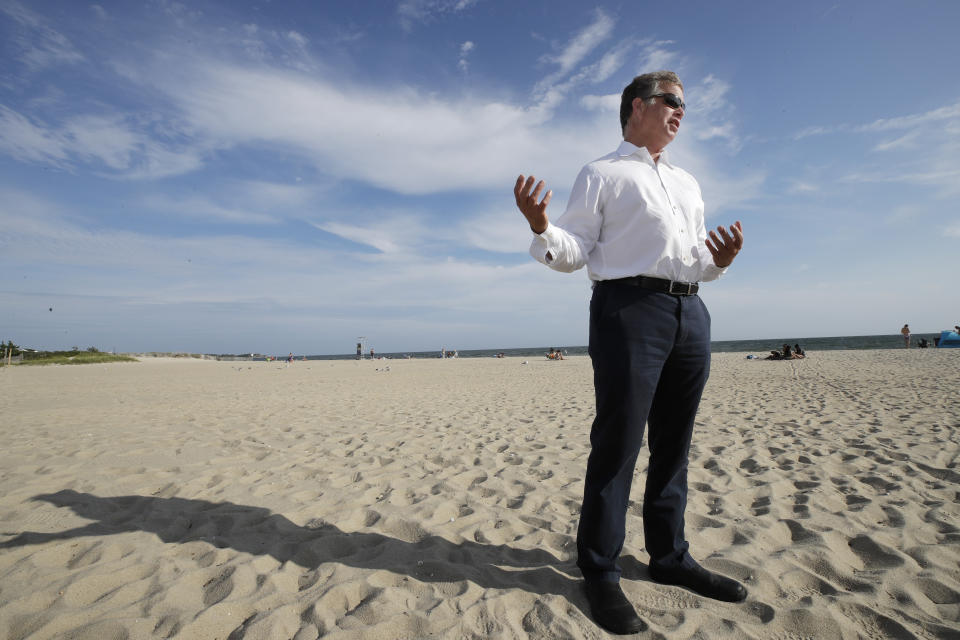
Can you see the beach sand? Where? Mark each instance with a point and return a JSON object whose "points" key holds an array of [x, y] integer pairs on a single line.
{"points": [[176, 498]]}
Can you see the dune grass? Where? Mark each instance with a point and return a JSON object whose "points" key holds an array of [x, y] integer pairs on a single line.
{"points": [[82, 357]]}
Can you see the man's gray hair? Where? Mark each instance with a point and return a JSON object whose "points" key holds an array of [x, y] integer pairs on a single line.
{"points": [[644, 86]]}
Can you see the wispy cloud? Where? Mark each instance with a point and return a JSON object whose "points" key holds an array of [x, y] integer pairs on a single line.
{"points": [[800, 187], [25, 141], [204, 209], [465, 50], [919, 178], [109, 141], [578, 47], [389, 232], [815, 130], [943, 115], [555, 85], [423, 143], [411, 12], [657, 56], [39, 45], [903, 142], [949, 112]]}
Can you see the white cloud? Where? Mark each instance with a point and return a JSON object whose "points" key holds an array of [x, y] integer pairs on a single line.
{"points": [[411, 12], [913, 121], [417, 144], [710, 113], [799, 187], [582, 43], [465, 50], [85, 138], [553, 86], [709, 96], [500, 231], [952, 230], [25, 141], [40, 46], [393, 234], [273, 195], [932, 177], [808, 132], [944, 116], [903, 142], [297, 38], [656, 57], [205, 209], [609, 103]]}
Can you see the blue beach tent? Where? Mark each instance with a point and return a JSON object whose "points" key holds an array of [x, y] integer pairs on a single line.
{"points": [[949, 339]]}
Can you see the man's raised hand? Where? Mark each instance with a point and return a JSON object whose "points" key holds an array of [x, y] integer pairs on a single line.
{"points": [[724, 249], [527, 196]]}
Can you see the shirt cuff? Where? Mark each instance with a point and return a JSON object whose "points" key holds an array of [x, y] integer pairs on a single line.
{"points": [[541, 244], [712, 272]]}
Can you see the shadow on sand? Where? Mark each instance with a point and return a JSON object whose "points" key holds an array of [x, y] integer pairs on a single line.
{"points": [[259, 531]]}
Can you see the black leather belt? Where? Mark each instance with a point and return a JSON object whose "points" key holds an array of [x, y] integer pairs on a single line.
{"points": [[673, 287]]}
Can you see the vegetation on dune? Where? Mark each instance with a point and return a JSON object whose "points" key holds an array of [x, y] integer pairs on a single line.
{"points": [[31, 356]]}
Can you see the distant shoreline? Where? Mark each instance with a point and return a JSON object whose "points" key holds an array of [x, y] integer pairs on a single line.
{"points": [[758, 346]]}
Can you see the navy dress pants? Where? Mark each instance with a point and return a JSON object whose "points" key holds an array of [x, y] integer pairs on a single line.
{"points": [[651, 360]]}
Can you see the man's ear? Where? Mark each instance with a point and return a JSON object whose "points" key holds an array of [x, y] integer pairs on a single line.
{"points": [[639, 105]]}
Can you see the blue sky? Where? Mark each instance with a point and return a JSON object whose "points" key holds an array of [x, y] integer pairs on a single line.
{"points": [[286, 176]]}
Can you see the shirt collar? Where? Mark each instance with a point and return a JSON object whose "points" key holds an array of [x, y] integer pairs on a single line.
{"points": [[627, 149]]}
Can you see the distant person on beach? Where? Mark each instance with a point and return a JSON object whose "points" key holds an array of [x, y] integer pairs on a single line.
{"points": [[956, 328], [905, 332], [797, 350], [635, 220], [790, 354]]}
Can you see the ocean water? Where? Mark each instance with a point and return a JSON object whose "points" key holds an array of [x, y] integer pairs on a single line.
{"points": [[757, 347]]}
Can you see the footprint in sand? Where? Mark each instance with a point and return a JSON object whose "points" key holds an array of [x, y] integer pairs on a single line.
{"points": [[761, 506], [801, 535], [218, 587], [873, 554]]}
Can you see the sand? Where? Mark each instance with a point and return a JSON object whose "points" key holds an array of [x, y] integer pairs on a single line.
{"points": [[176, 498]]}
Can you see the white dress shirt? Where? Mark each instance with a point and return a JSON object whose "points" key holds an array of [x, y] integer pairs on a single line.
{"points": [[629, 216]]}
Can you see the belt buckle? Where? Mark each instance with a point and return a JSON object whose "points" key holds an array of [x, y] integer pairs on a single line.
{"points": [[681, 292]]}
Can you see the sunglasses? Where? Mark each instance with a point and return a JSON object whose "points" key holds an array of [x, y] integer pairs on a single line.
{"points": [[672, 100]]}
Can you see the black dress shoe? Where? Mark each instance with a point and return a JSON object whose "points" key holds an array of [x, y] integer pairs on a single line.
{"points": [[611, 609], [699, 580]]}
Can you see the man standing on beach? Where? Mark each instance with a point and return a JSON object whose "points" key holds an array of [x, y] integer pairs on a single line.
{"points": [[905, 332], [635, 220]]}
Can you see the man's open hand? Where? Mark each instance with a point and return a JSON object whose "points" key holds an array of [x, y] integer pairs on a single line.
{"points": [[726, 246], [527, 196]]}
